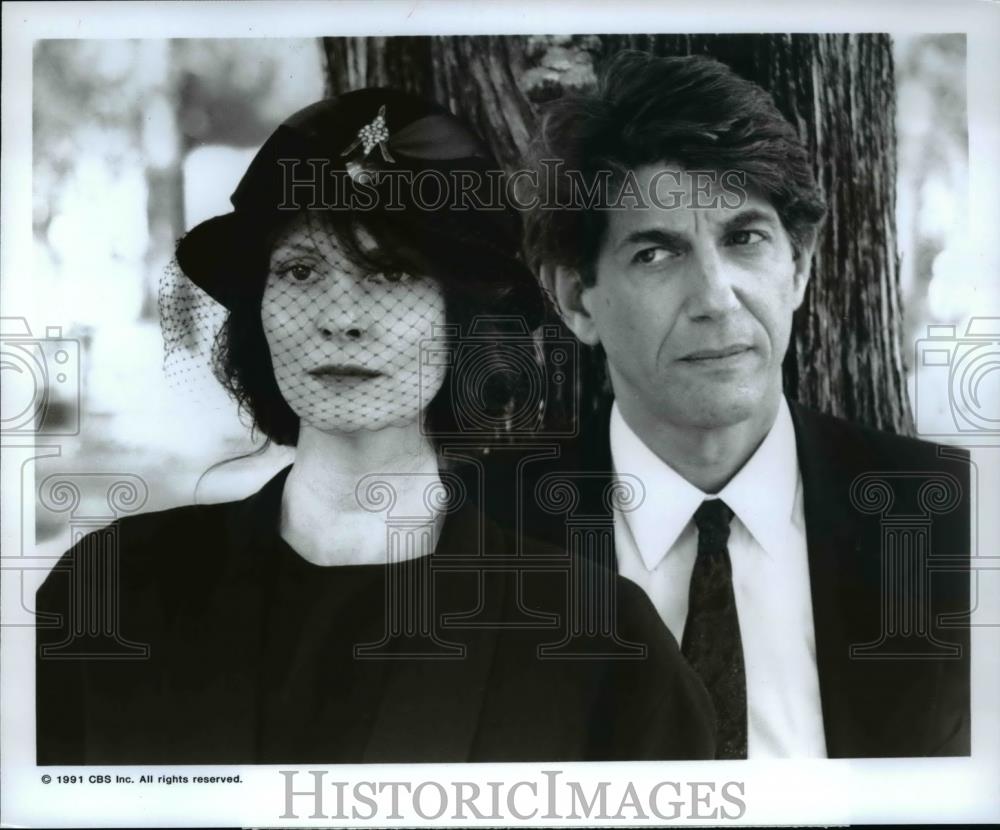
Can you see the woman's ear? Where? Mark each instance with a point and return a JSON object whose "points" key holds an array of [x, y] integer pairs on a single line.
{"points": [[571, 298]]}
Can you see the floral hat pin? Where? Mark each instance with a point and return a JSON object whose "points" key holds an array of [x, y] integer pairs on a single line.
{"points": [[434, 137], [371, 135]]}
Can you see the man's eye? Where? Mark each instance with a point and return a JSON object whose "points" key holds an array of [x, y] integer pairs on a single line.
{"points": [[651, 256], [300, 272], [746, 237]]}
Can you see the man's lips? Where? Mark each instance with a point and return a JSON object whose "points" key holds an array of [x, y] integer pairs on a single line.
{"points": [[345, 371], [707, 355]]}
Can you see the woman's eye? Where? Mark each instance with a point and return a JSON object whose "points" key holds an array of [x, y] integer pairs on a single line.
{"points": [[740, 238], [651, 256], [299, 272]]}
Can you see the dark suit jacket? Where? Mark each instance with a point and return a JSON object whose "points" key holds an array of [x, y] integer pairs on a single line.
{"points": [[190, 585], [888, 535]]}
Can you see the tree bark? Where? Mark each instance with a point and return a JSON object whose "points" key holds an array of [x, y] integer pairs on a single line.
{"points": [[839, 92]]}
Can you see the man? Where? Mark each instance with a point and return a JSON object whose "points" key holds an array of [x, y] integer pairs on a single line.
{"points": [[770, 538]]}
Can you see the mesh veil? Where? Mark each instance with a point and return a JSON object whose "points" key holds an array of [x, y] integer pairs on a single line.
{"points": [[189, 323], [346, 328]]}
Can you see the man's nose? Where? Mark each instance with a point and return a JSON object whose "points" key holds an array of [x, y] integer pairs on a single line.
{"points": [[345, 310], [711, 292]]}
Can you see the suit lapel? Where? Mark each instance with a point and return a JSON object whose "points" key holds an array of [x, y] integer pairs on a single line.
{"points": [[219, 651], [594, 485], [875, 704], [836, 549]]}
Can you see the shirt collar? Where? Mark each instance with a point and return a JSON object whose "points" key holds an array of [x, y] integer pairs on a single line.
{"points": [[764, 493], [670, 500]]}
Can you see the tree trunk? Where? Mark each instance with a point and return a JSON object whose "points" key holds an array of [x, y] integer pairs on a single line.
{"points": [[838, 90]]}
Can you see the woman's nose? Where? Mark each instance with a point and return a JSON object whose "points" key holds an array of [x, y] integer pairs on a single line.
{"points": [[344, 311]]}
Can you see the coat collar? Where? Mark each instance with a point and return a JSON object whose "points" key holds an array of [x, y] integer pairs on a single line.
{"points": [[218, 658], [254, 521]]}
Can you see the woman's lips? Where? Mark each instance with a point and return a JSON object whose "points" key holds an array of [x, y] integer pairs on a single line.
{"points": [[344, 373]]}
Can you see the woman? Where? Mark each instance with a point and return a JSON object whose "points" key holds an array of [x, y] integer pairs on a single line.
{"points": [[347, 612]]}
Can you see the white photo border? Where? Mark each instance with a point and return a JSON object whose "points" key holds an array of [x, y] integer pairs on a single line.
{"points": [[799, 792]]}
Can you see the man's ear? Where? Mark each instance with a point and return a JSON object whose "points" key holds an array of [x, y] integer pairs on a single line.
{"points": [[571, 299], [803, 268]]}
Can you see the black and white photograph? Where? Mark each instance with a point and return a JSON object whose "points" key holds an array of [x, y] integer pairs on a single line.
{"points": [[434, 413]]}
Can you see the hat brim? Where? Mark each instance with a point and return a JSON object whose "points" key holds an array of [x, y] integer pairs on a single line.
{"points": [[220, 254], [216, 254]]}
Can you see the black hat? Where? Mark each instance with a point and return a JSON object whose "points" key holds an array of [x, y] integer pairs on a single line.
{"points": [[347, 140]]}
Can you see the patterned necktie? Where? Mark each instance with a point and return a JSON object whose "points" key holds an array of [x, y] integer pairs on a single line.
{"points": [[711, 640]]}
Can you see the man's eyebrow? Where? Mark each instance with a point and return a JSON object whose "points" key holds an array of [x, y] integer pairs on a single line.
{"points": [[747, 217], [657, 236]]}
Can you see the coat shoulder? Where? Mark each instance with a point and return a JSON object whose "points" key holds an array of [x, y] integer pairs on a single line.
{"points": [[186, 539], [873, 448]]}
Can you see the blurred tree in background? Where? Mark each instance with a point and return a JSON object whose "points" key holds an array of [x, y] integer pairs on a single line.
{"points": [[838, 90], [134, 140], [114, 123], [938, 277], [102, 127]]}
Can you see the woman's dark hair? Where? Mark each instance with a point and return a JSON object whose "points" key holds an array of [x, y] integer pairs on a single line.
{"points": [[242, 358], [693, 111]]}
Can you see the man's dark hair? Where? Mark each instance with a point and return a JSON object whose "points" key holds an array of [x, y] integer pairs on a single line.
{"points": [[693, 111]]}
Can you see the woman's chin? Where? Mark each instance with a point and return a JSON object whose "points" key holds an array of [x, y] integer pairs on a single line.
{"points": [[360, 426]]}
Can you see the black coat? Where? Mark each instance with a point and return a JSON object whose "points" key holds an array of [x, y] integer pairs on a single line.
{"points": [[208, 632], [889, 578], [893, 671]]}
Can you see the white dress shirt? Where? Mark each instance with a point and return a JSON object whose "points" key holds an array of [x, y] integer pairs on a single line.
{"points": [[656, 547]]}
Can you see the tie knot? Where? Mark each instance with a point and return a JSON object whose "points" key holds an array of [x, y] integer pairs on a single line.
{"points": [[713, 517]]}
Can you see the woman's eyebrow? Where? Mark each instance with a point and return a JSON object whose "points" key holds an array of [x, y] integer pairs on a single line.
{"points": [[295, 248]]}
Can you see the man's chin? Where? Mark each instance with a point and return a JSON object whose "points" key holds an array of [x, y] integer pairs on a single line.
{"points": [[715, 411]]}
